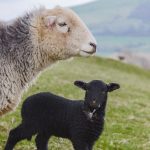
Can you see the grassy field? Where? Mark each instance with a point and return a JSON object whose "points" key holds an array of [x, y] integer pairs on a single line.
{"points": [[127, 125]]}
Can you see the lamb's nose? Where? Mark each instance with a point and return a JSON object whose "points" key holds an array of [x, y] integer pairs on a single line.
{"points": [[94, 104], [94, 46]]}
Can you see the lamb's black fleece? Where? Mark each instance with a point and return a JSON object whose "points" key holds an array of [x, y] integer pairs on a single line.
{"points": [[46, 114]]}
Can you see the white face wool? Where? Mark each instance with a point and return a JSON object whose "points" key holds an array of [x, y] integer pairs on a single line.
{"points": [[66, 32], [90, 114]]}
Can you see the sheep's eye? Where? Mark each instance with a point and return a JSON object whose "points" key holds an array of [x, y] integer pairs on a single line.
{"points": [[62, 24]]}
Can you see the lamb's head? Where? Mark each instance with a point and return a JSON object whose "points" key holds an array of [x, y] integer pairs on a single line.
{"points": [[96, 94], [64, 34]]}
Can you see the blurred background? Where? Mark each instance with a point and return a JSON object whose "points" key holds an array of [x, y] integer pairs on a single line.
{"points": [[121, 27], [122, 30], [118, 25]]}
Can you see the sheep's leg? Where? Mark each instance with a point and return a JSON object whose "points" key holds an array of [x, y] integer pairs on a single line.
{"points": [[79, 145], [42, 141], [16, 135]]}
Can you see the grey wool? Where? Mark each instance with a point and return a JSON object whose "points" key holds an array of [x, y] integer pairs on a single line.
{"points": [[35, 41]]}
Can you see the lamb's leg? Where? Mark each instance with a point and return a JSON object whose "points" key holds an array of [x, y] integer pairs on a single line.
{"points": [[42, 141], [80, 145], [16, 135], [90, 146]]}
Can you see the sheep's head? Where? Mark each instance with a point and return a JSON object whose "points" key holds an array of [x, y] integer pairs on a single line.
{"points": [[64, 34], [96, 94]]}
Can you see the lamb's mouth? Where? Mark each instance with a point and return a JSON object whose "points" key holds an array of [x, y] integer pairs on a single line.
{"points": [[92, 52]]}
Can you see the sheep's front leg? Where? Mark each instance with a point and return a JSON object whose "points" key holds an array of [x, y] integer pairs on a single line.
{"points": [[42, 141]]}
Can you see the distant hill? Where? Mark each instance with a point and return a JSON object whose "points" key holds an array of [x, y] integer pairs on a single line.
{"points": [[125, 17], [89, 13], [118, 25]]}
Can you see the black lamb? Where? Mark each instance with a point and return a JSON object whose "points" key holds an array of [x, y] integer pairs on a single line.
{"points": [[46, 115]]}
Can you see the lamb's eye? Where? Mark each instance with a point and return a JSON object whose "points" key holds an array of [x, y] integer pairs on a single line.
{"points": [[62, 24]]}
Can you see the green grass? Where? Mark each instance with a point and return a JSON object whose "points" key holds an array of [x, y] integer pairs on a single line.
{"points": [[127, 124]]}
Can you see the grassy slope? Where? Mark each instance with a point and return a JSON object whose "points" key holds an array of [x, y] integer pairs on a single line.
{"points": [[127, 125]]}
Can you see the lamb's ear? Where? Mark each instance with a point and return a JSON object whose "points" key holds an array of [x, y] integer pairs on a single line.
{"points": [[50, 21], [81, 84], [112, 86]]}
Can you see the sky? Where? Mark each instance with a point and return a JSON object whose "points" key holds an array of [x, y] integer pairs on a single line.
{"points": [[10, 9]]}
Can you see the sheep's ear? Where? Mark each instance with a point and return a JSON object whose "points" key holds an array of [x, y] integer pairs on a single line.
{"points": [[50, 21], [81, 84], [112, 86]]}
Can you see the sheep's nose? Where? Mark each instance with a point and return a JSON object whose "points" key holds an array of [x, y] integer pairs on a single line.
{"points": [[94, 46]]}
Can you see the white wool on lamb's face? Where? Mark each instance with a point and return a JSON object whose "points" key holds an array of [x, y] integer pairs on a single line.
{"points": [[67, 33]]}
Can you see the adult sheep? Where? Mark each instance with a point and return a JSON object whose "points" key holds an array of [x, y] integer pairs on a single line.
{"points": [[31, 43]]}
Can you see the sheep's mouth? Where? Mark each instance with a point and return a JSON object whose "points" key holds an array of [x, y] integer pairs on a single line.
{"points": [[92, 52]]}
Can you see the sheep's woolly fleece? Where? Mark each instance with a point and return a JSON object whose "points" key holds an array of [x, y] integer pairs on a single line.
{"points": [[35, 41]]}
